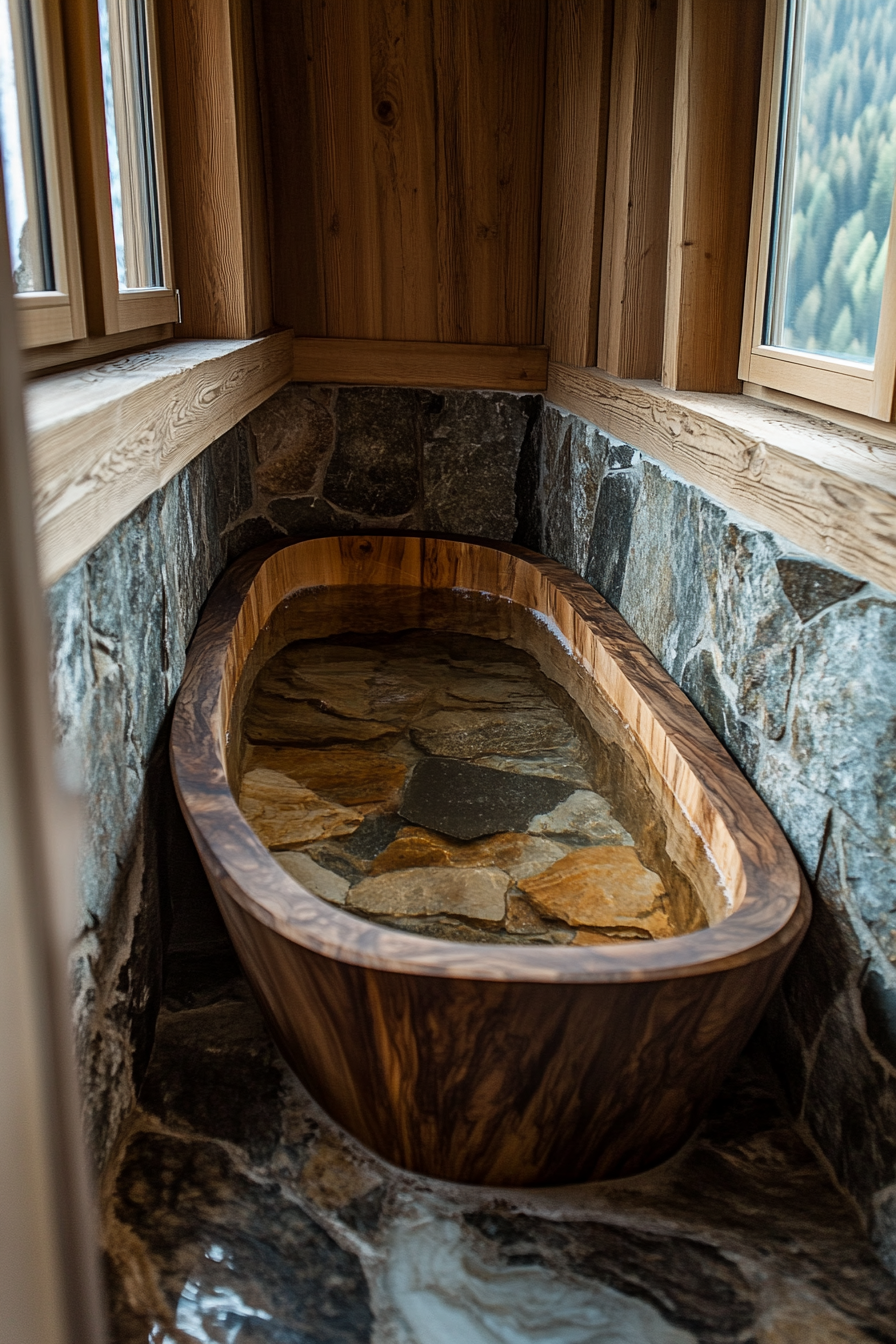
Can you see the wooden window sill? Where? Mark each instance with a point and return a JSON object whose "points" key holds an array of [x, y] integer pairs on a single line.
{"points": [[829, 489], [105, 437]]}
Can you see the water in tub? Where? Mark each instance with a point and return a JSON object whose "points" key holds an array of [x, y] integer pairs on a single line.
{"points": [[437, 781]]}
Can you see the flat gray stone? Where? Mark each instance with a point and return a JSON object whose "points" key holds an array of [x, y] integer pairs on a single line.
{"points": [[470, 893], [468, 801]]}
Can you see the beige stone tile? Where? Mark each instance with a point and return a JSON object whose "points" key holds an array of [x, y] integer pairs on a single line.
{"points": [[283, 814]]}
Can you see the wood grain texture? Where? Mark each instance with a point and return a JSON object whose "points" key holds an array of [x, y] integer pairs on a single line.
{"points": [[214, 189], [296, 241], [507, 1065], [404, 109], [575, 131], [250, 163], [50, 357], [420, 364], [636, 209], [827, 488], [404, 166], [717, 73], [103, 438]]}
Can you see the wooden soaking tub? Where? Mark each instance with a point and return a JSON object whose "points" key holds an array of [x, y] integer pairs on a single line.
{"points": [[496, 1064]]}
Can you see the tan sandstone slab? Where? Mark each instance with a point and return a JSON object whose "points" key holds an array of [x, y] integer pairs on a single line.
{"points": [[601, 886], [470, 893], [319, 881], [272, 719], [347, 775], [517, 854], [282, 813]]}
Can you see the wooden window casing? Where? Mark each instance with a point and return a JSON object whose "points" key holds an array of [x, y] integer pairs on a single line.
{"points": [[49, 316], [862, 389], [110, 308]]}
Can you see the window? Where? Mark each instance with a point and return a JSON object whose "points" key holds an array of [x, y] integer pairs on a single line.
{"points": [[121, 170], [820, 317], [37, 174], [86, 204]]}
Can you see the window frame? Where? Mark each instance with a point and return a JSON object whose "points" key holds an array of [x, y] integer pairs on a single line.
{"points": [[863, 390], [109, 309], [48, 317]]}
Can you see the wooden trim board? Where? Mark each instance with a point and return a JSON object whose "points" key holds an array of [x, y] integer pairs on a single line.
{"points": [[420, 364], [103, 438], [575, 152], [829, 489]]}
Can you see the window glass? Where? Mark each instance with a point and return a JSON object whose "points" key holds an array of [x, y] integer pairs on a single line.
{"points": [[130, 143], [835, 178], [24, 175]]}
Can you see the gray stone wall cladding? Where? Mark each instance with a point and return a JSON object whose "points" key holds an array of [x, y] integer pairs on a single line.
{"points": [[790, 661], [309, 460], [793, 664]]}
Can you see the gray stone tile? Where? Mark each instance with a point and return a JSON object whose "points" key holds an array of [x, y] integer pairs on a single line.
{"points": [[611, 537], [471, 451], [749, 617], [575, 460], [227, 1255], [811, 587], [294, 433], [309, 514], [664, 594], [843, 736], [375, 467]]}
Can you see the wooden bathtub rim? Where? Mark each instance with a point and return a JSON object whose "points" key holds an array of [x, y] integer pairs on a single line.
{"points": [[775, 904]]}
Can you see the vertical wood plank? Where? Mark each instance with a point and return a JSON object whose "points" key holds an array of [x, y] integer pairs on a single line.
{"points": [[718, 66], [402, 121], [636, 213], [250, 156], [347, 184], [203, 156], [488, 60], [294, 220], [576, 109]]}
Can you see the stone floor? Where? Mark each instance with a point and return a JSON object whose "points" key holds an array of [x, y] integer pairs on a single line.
{"points": [[238, 1213]]}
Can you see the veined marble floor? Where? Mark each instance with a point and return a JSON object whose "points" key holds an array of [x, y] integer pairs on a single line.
{"points": [[238, 1213]]}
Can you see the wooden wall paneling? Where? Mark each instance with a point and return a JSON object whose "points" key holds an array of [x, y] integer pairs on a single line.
{"points": [[576, 109], [403, 126], [342, 95], [214, 232], [717, 73], [294, 222], [489, 61], [250, 158], [420, 364], [636, 210]]}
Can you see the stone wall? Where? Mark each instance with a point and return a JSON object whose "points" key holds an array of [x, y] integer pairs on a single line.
{"points": [[789, 660], [793, 664], [121, 620]]}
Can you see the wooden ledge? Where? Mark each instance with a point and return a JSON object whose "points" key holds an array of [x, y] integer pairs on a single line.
{"points": [[827, 488], [505, 368], [103, 438]]}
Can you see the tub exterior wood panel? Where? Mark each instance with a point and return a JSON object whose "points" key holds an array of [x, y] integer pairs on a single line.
{"points": [[458, 1059]]}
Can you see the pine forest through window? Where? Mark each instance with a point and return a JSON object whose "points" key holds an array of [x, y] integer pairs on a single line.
{"points": [[836, 175]]}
